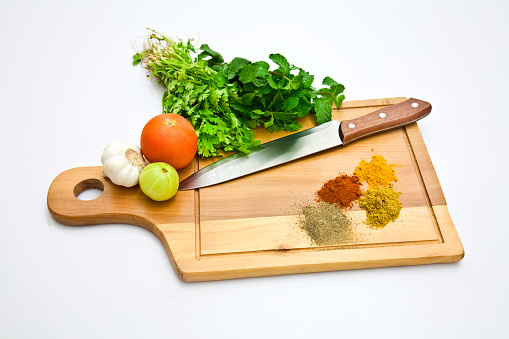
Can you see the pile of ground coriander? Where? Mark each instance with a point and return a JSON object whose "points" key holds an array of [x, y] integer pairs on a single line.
{"points": [[382, 206]]}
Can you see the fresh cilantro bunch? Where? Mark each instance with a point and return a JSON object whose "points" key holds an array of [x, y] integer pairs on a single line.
{"points": [[226, 101], [198, 93]]}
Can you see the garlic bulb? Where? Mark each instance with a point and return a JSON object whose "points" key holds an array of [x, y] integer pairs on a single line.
{"points": [[122, 163]]}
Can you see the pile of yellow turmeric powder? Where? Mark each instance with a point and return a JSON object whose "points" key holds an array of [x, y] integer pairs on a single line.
{"points": [[380, 201], [377, 172]]}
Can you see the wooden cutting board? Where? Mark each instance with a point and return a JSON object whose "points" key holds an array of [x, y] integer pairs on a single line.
{"points": [[250, 226]]}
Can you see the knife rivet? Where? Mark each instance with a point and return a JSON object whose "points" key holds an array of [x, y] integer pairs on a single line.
{"points": [[351, 125], [382, 115], [414, 104]]}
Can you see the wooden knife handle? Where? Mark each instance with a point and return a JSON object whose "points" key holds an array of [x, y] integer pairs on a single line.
{"points": [[384, 119]]}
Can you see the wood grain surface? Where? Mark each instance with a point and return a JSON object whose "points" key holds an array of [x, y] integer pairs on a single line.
{"points": [[250, 226]]}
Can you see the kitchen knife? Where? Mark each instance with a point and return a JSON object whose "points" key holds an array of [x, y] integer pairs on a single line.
{"points": [[306, 142]]}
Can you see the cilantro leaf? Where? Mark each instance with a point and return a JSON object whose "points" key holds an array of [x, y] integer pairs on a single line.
{"points": [[138, 58]]}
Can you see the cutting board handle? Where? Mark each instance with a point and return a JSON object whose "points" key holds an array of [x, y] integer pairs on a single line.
{"points": [[384, 119], [112, 206]]}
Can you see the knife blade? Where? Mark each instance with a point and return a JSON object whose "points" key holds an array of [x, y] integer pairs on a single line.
{"points": [[306, 142]]}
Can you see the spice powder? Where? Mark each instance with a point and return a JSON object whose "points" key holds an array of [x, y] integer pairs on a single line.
{"points": [[381, 204], [377, 172], [326, 224], [341, 191]]}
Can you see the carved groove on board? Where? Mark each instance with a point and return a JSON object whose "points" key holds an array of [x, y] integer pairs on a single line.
{"points": [[197, 231], [325, 248], [423, 186]]}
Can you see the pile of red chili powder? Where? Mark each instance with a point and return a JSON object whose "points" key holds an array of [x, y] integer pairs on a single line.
{"points": [[341, 191]]}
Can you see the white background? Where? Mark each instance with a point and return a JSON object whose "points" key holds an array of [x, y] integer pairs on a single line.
{"points": [[67, 89]]}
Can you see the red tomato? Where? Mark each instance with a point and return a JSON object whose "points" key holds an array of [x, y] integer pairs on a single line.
{"points": [[169, 138]]}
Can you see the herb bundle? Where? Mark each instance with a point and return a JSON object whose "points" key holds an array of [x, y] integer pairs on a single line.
{"points": [[225, 101]]}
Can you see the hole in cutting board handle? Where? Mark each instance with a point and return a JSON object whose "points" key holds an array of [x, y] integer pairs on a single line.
{"points": [[88, 189]]}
